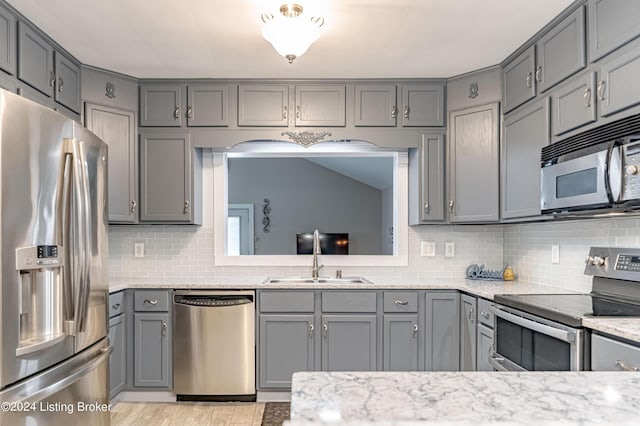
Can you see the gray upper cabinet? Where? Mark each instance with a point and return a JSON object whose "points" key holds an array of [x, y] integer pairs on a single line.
{"points": [[518, 80], [166, 178], [7, 41], [375, 105], [426, 180], [442, 325], [161, 105], [612, 23], [35, 60], [561, 51], [349, 342], [574, 104], [207, 105], [286, 345], [67, 84], [263, 105], [617, 88], [526, 131], [468, 332], [473, 152], [321, 105], [423, 105], [118, 128]]}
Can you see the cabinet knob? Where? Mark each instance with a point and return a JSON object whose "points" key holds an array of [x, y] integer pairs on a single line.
{"points": [[394, 112], [415, 331], [471, 315], [539, 74], [60, 84], [186, 207], [164, 329], [133, 206], [325, 331], [176, 113], [586, 98], [284, 112], [529, 80], [297, 111], [189, 112], [115, 306], [485, 314], [310, 331], [406, 112], [426, 208], [451, 206], [52, 78], [602, 85], [401, 302]]}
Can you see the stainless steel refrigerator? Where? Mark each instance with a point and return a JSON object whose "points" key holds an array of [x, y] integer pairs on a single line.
{"points": [[54, 349]]}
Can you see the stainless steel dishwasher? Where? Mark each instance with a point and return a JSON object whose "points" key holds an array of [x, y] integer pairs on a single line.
{"points": [[214, 345]]}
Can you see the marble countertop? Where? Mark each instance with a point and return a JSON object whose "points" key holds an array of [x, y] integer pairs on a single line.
{"points": [[466, 398]]}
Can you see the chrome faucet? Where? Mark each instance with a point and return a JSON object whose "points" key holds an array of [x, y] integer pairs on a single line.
{"points": [[316, 252]]}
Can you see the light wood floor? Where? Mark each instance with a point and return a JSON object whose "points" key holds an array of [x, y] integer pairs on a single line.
{"points": [[186, 413]]}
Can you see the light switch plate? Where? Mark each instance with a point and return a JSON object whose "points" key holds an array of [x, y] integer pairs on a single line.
{"points": [[138, 249], [428, 248], [555, 253], [449, 249]]}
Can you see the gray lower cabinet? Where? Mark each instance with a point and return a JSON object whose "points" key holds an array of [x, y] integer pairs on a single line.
{"points": [[442, 331], [118, 129], [468, 333], [562, 51], [617, 89], [526, 131], [484, 349], [161, 105], [169, 170], [7, 41], [612, 23], [322, 105], [426, 180], [35, 60], [608, 354], [349, 342], [286, 345], [518, 80], [67, 83], [117, 358], [574, 104], [151, 350], [400, 342], [265, 105], [422, 105], [375, 105], [473, 151]]}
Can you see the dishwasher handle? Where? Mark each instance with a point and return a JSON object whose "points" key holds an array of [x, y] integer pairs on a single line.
{"points": [[212, 301]]}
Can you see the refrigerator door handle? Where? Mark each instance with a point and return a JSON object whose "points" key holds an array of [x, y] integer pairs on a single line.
{"points": [[67, 282], [85, 237]]}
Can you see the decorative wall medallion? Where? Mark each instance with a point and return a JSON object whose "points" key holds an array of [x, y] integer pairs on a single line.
{"points": [[110, 90], [306, 138], [473, 90], [266, 210]]}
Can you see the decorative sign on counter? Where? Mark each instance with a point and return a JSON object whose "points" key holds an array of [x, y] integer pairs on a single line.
{"points": [[477, 272]]}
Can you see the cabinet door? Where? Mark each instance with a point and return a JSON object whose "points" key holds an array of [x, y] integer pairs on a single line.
{"points": [[423, 105], [161, 105], [442, 331], [320, 105], [67, 85], [519, 84], [207, 105], [468, 333], [612, 23], [117, 359], [165, 178], [474, 165], [618, 87], [349, 343], [286, 345], [485, 348], [118, 129], [525, 133], [376, 105], [427, 180], [562, 51], [7, 41], [574, 104], [35, 60], [400, 343], [263, 105], [151, 350]]}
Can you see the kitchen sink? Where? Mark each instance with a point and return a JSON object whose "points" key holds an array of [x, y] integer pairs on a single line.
{"points": [[321, 280]]}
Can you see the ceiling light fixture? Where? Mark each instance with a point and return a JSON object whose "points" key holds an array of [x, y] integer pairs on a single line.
{"points": [[290, 33]]}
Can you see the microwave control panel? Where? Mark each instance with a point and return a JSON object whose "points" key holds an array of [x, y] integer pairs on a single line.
{"points": [[631, 170]]}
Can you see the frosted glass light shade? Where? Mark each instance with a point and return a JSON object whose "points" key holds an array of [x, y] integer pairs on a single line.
{"points": [[291, 36]]}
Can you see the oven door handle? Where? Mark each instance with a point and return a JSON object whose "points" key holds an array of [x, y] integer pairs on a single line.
{"points": [[564, 335]]}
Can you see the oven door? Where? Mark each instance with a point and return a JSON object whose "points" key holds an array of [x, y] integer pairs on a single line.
{"points": [[580, 183], [524, 342]]}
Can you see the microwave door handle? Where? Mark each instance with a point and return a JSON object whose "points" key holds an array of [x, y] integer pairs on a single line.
{"points": [[608, 167], [564, 335]]}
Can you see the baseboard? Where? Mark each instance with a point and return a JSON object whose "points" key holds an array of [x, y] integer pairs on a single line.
{"points": [[273, 396], [145, 396]]}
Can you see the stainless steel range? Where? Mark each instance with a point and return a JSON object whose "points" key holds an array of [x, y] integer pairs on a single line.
{"points": [[543, 332]]}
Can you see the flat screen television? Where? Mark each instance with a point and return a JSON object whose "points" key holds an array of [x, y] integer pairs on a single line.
{"points": [[330, 243]]}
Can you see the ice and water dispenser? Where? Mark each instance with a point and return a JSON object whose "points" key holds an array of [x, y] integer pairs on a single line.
{"points": [[41, 297]]}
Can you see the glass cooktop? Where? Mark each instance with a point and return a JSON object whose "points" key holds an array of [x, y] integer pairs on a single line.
{"points": [[569, 309]]}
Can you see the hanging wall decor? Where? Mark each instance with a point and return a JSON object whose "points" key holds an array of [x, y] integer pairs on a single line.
{"points": [[266, 210]]}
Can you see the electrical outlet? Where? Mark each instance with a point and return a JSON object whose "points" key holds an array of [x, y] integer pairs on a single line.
{"points": [[138, 249], [428, 248], [555, 253], [449, 249]]}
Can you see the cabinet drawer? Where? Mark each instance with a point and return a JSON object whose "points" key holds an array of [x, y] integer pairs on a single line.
{"points": [[116, 303], [400, 301], [612, 355], [485, 316], [345, 301], [151, 300], [287, 301]]}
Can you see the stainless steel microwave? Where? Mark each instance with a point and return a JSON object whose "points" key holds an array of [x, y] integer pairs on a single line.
{"points": [[604, 175]]}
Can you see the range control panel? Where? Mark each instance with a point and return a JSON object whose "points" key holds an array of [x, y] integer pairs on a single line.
{"points": [[613, 262], [41, 256], [626, 262]]}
